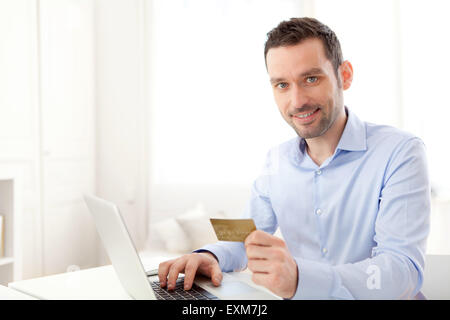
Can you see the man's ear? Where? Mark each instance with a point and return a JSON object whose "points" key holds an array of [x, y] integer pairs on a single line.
{"points": [[346, 74]]}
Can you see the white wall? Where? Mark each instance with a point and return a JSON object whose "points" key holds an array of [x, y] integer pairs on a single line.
{"points": [[121, 110], [19, 117], [46, 127], [67, 100]]}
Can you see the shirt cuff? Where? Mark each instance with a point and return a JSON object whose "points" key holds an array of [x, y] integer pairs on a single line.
{"points": [[231, 256], [315, 280], [203, 250]]}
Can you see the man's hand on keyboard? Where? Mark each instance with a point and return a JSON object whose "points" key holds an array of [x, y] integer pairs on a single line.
{"points": [[203, 263]]}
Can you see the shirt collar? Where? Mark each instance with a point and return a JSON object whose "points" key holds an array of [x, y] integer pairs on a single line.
{"points": [[353, 138], [354, 135]]}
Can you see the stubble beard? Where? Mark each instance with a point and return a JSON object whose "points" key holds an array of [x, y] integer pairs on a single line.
{"points": [[313, 132], [314, 129]]}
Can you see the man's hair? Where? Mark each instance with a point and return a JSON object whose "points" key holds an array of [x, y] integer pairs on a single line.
{"points": [[295, 30]]}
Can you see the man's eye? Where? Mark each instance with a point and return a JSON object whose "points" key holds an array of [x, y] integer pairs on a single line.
{"points": [[282, 85], [311, 79]]}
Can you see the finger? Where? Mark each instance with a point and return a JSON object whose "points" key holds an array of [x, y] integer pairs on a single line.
{"points": [[174, 271], [250, 238], [189, 271], [216, 274], [210, 267], [163, 270], [259, 237], [258, 252], [259, 266]]}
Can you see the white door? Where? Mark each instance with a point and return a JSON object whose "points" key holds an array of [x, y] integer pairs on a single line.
{"points": [[68, 133]]}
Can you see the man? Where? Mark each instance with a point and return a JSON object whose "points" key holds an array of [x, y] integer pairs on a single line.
{"points": [[352, 199]]}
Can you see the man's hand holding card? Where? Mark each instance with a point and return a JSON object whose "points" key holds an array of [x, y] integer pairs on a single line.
{"points": [[272, 264], [268, 256]]}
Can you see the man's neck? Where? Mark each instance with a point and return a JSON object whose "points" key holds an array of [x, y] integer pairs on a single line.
{"points": [[323, 147]]}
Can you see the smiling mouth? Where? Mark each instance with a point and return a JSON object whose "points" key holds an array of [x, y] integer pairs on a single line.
{"points": [[306, 116], [301, 116]]}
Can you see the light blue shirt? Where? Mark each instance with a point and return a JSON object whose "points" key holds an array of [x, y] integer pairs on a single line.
{"points": [[357, 225]]}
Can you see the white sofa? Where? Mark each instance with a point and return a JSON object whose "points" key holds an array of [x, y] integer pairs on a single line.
{"points": [[179, 220]]}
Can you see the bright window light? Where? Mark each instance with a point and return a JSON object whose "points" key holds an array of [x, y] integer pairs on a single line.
{"points": [[214, 117]]}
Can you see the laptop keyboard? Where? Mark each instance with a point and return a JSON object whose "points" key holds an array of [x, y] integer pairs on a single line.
{"points": [[178, 293]]}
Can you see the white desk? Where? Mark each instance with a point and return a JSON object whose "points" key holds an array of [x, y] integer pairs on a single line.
{"points": [[10, 294], [99, 283], [88, 284]]}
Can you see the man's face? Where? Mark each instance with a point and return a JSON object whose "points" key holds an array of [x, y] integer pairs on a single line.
{"points": [[305, 87]]}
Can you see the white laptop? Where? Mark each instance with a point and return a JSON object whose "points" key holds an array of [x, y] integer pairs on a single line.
{"points": [[144, 285]]}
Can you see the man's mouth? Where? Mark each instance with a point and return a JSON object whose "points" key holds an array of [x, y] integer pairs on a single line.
{"points": [[306, 116]]}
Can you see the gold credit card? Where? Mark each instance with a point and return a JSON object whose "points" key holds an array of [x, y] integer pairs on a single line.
{"points": [[233, 229]]}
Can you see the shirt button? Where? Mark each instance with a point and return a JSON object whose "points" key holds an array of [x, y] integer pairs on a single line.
{"points": [[324, 250], [318, 212], [318, 172]]}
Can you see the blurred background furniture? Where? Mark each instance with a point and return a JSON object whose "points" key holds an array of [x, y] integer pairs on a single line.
{"points": [[436, 284]]}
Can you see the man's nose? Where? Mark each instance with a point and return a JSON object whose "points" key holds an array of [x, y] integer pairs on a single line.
{"points": [[298, 97]]}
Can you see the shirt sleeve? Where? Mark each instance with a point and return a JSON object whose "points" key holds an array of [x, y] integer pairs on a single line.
{"points": [[395, 268], [231, 255]]}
